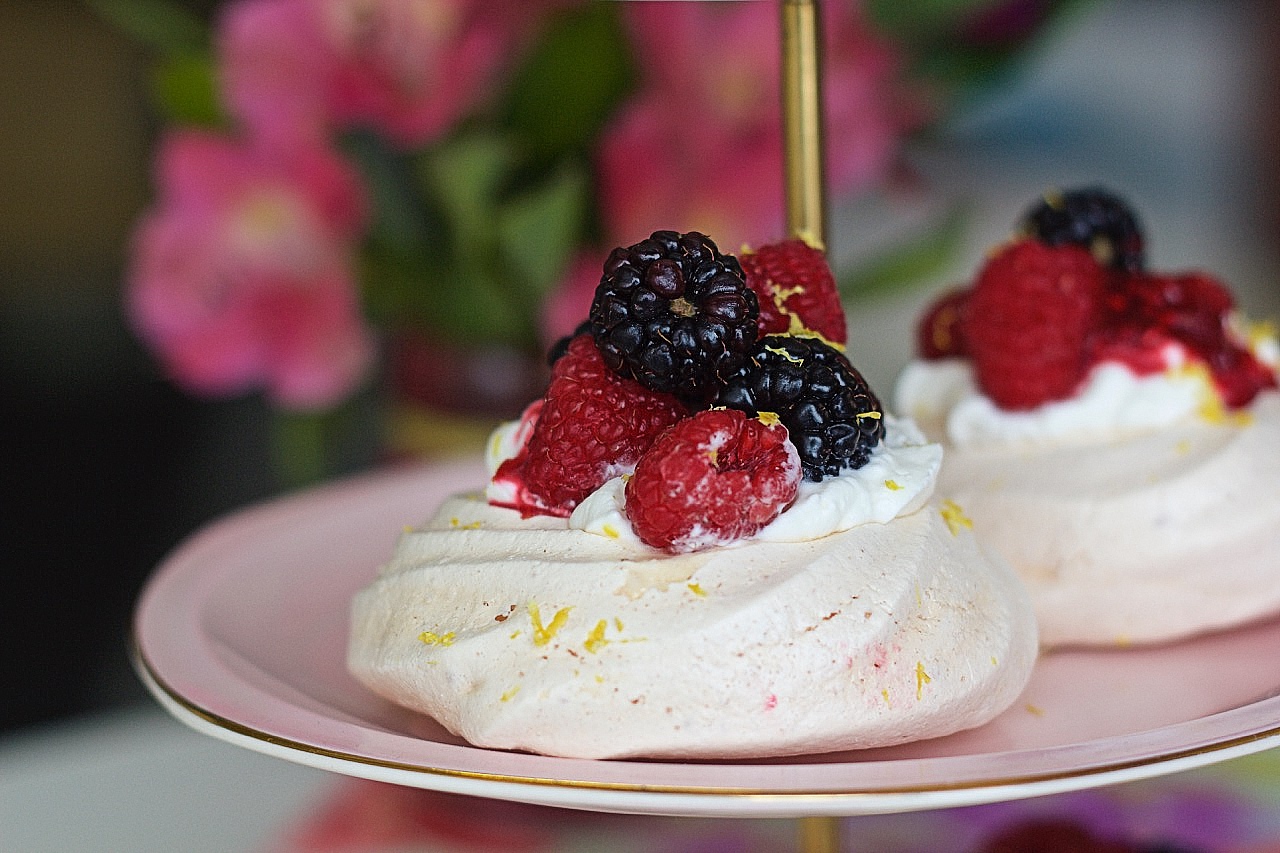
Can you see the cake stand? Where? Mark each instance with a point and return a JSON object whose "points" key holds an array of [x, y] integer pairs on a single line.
{"points": [[241, 633]]}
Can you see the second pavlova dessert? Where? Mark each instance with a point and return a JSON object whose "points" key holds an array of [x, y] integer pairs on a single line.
{"points": [[706, 540], [1112, 430]]}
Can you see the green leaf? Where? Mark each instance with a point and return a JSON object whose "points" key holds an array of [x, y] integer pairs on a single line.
{"points": [[394, 284], [931, 33], [506, 241], [480, 309], [474, 304], [400, 220], [468, 170], [162, 25], [465, 175], [313, 445], [299, 444], [571, 83], [428, 292], [186, 91], [539, 230], [471, 295], [907, 264], [922, 19]]}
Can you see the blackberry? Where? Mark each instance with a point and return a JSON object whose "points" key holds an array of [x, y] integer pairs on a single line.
{"points": [[1093, 218], [832, 416], [674, 314]]}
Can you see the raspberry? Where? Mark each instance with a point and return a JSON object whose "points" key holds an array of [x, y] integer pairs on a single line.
{"points": [[674, 314], [594, 425], [1131, 343], [796, 290], [1093, 219], [1146, 311], [940, 333], [829, 411], [1239, 376], [1028, 320], [1191, 308], [710, 479], [1039, 319]]}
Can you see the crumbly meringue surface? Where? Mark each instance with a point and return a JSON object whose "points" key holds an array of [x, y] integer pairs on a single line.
{"points": [[527, 634], [1133, 522]]}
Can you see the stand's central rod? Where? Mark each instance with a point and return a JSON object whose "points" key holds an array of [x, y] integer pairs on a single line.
{"points": [[805, 180], [819, 835], [802, 121]]}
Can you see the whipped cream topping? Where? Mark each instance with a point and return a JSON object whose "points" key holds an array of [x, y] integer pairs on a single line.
{"points": [[1114, 402], [529, 634], [898, 479]]}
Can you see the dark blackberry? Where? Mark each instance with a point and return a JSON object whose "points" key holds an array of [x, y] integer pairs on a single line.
{"points": [[1093, 218], [674, 314], [833, 418]]}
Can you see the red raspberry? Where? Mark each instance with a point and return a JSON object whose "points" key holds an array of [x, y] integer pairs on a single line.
{"points": [[594, 425], [796, 290], [712, 478], [1147, 311], [940, 333], [1029, 317], [1137, 346], [1239, 376], [1192, 307]]}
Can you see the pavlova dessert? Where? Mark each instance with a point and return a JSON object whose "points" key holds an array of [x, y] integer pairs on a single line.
{"points": [[1113, 431], [707, 539]]}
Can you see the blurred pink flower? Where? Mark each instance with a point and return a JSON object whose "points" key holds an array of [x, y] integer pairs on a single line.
{"points": [[274, 66], [698, 178], [412, 67], [241, 273], [720, 59], [701, 145], [406, 68], [869, 106]]}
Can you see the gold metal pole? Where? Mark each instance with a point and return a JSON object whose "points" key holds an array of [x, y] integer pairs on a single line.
{"points": [[802, 121], [819, 835], [805, 181]]}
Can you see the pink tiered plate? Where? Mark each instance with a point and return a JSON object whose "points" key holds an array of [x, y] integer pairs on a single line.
{"points": [[242, 634]]}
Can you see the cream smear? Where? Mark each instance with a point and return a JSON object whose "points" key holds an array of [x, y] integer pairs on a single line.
{"points": [[897, 480]]}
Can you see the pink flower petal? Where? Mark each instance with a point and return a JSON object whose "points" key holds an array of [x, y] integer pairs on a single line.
{"points": [[700, 146], [241, 273]]}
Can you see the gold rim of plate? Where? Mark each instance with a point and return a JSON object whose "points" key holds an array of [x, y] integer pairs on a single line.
{"points": [[247, 731]]}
